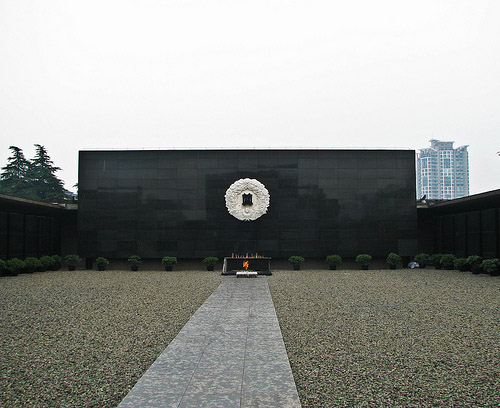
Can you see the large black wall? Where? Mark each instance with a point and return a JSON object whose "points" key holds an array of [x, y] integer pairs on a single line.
{"points": [[171, 202]]}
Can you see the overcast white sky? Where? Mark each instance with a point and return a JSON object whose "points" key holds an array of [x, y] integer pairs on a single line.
{"points": [[231, 73]]}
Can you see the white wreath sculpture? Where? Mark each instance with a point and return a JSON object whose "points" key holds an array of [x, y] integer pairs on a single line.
{"points": [[260, 201]]}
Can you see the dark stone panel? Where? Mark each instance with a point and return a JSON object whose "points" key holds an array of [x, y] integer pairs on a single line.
{"points": [[489, 245], [438, 233], [488, 220], [4, 237], [31, 235], [173, 201], [498, 233], [447, 235], [460, 235], [407, 247], [45, 237], [489, 233], [474, 246], [16, 235]]}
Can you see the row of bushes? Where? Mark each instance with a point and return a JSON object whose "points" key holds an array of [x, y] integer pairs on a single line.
{"points": [[168, 261], [333, 261], [15, 266], [473, 263], [30, 264]]}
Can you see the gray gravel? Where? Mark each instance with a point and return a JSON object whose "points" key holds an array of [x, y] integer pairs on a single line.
{"points": [[83, 339], [354, 338], [405, 338]]}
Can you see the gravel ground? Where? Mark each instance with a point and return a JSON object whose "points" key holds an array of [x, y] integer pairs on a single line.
{"points": [[404, 338], [354, 338], [83, 339]]}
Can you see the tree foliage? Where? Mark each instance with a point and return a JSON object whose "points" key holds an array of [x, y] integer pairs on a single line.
{"points": [[13, 179], [35, 179]]}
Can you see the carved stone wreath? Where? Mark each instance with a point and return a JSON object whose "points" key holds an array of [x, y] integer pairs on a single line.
{"points": [[247, 199]]}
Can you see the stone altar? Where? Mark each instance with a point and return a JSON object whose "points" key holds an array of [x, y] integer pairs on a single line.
{"points": [[261, 265]]}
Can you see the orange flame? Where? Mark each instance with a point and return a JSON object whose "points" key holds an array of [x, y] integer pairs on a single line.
{"points": [[246, 265]]}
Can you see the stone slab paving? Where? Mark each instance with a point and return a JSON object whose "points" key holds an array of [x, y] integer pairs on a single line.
{"points": [[229, 354]]}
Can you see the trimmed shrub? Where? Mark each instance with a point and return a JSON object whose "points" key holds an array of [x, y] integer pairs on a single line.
{"points": [[31, 264], [71, 261], [435, 259], [447, 261], [57, 262], [170, 260], [422, 260], [393, 259], [296, 260], [333, 261], [474, 263], [210, 262], [461, 264], [134, 261], [101, 263], [364, 259], [491, 266], [47, 262], [15, 266]]}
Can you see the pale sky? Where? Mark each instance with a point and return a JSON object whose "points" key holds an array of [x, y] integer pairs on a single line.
{"points": [[333, 74]]}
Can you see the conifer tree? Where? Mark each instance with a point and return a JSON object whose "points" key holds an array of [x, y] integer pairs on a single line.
{"points": [[13, 179], [41, 177]]}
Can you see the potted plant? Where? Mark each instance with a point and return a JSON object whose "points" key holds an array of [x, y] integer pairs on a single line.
{"points": [[393, 259], [447, 261], [435, 259], [296, 261], [15, 266], [47, 262], [461, 264], [101, 263], [474, 264], [491, 266], [169, 261], [71, 261], [333, 261], [57, 263], [422, 260], [364, 260], [210, 262], [134, 261], [31, 264]]}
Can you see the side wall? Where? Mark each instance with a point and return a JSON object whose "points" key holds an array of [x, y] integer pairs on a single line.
{"points": [[28, 231], [462, 233], [157, 203]]}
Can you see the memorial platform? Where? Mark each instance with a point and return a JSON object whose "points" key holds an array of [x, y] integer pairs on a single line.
{"points": [[261, 265]]}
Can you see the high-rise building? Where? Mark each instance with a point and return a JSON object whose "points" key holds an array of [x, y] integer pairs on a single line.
{"points": [[442, 171]]}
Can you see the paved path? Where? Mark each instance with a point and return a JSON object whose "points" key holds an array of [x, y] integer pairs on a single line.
{"points": [[229, 354]]}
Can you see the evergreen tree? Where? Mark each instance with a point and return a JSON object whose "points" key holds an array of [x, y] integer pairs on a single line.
{"points": [[13, 179], [42, 179]]}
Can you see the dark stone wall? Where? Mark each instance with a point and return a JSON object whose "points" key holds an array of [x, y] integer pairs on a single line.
{"points": [[157, 203], [463, 227], [31, 229]]}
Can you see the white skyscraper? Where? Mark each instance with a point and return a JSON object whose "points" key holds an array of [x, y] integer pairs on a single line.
{"points": [[442, 171]]}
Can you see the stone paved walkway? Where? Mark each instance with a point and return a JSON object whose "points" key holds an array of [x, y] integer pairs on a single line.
{"points": [[229, 354]]}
